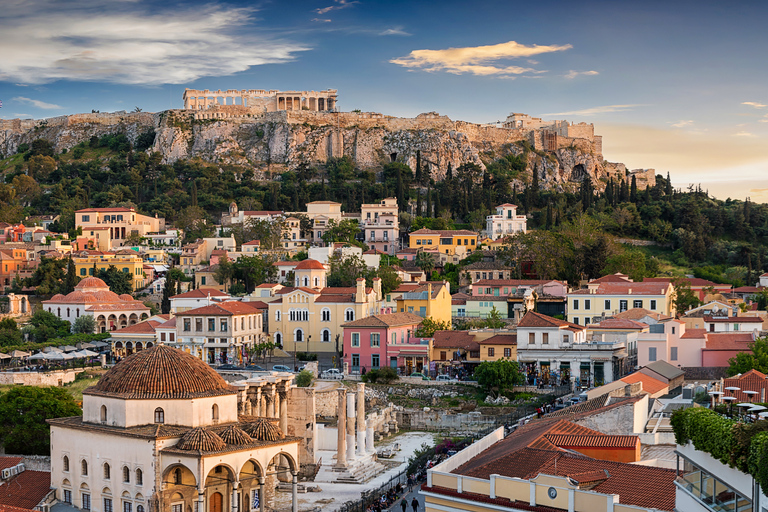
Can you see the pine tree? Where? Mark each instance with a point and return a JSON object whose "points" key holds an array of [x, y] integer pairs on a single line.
{"points": [[168, 292], [401, 191], [449, 172], [669, 185]]}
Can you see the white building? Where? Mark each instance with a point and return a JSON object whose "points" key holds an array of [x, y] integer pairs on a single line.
{"points": [[506, 222], [380, 225], [160, 432], [558, 352], [197, 298]]}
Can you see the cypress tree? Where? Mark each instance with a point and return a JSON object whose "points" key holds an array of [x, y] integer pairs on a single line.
{"points": [[401, 191], [669, 185], [418, 200], [429, 202], [437, 204], [418, 176], [71, 278], [178, 287], [633, 190], [449, 172], [549, 215], [168, 289]]}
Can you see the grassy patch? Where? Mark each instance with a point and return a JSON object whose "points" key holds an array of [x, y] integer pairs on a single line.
{"points": [[76, 388]]}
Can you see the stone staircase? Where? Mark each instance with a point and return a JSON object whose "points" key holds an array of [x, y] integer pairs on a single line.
{"points": [[358, 471]]}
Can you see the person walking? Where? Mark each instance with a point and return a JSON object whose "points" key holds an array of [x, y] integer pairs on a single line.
{"points": [[415, 504], [404, 504]]}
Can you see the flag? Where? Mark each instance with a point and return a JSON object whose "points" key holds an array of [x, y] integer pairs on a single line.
{"points": [[255, 503]]}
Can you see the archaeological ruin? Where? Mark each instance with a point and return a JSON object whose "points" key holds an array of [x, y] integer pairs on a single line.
{"points": [[261, 100]]}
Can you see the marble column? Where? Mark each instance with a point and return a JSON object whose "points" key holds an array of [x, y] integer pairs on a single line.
{"points": [[369, 440], [234, 502], [200, 503], [284, 412], [271, 405], [262, 498], [341, 443], [350, 426], [360, 419], [294, 492], [260, 411]]}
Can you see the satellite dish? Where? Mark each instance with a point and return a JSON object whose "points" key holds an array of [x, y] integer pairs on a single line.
{"points": [[715, 309]]}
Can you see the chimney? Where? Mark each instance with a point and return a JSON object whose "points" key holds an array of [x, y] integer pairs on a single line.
{"points": [[360, 290], [377, 287]]}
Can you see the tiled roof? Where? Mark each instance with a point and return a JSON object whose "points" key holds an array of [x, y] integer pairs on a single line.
{"points": [[694, 282], [309, 264], [161, 372], [728, 340], [537, 320], [201, 293], [258, 304], [455, 339], [733, 319], [147, 327], [389, 320], [9, 508], [619, 323], [26, 489], [228, 308], [285, 263], [444, 232], [625, 288], [253, 242], [592, 441], [105, 210], [487, 265], [9, 462], [512, 282], [650, 385], [589, 476], [500, 339], [612, 278], [746, 289], [752, 380], [694, 334], [267, 285]]}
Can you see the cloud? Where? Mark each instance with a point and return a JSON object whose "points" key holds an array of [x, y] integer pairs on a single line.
{"points": [[397, 31], [683, 124], [321, 20], [573, 74], [754, 104], [607, 109], [37, 103], [477, 60], [131, 42], [340, 4], [744, 134]]}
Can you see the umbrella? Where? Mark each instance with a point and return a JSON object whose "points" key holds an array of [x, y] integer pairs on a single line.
{"points": [[100, 344], [4, 356], [745, 404], [19, 353], [756, 408], [763, 414], [715, 393], [88, 353], [733, 388], [39, 355], [48, 350], [729, 398], [69, 348], [86, 345]]}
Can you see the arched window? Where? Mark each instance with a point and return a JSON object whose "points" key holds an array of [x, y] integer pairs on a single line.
{"points": [[84, 467], [177, 476], [58, 312], [278, 339], [325, 315], [67, 312], [277, 315], [316, 282], [106, 471], [159, 415], [305, 315], [103, 413], [215, 412], [65, 464], [77, 312], [139, 477], [126, 475], [298, 335], [349, 315], [139, 508], [306, 281], [325, 336]]}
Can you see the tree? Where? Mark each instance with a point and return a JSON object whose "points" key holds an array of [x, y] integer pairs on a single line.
{"points": [[685, 299], [194, 221], [756, 359], [425, 261], [430, 326], [224, 273], [48, 276], [84, 324], [46, 325], [498, 375], [169, 290], [345, 270], [343, 231], [494, 320], [304, 379], [118, 282], [71, 278], [253, 271], [23, 414]]}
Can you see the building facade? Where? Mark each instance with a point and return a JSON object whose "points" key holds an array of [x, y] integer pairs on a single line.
{"points": [[505, 223], [383, 340], [121, 222], [380, 225]]}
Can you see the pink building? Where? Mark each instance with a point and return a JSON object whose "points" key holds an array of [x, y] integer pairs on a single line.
{"points": [[383, 340], [506, 287]]}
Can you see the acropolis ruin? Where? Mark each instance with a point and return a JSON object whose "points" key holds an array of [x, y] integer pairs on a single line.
{"points": [[261, 100]]}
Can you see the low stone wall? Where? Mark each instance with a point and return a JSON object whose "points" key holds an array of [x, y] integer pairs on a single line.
{"points": [[57, 378], [31, 462], [441, 421], [326, 402]]}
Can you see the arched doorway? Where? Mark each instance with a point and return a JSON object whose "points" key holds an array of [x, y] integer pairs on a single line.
{"points": [[216, 502]]}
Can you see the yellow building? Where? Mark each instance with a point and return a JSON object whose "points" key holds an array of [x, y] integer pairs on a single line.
{"points": [[125, 261], [448, 242], [428, 300], [497, 346], [609, 298], [120, 222]]}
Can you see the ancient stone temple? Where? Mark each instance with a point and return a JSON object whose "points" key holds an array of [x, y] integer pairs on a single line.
{"points": [[261, 100]]}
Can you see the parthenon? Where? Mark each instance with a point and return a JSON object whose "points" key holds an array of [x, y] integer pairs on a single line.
{"points": [[265, 101]]}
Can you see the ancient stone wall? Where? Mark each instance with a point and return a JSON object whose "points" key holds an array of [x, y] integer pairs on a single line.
{"points": [[301, 422], [58, 378], [326, 401]]}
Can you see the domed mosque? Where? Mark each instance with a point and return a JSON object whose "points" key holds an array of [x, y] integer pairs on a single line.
{"points": [[161, 431], [92, 297]]}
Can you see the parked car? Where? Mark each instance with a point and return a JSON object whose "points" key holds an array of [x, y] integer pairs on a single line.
{"points": [[255, 368], [444, 377], [281, 368], [419, 374], [229, 367], [332, 373]]}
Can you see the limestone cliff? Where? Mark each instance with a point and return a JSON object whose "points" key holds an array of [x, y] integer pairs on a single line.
{"points": [[282, 140]]}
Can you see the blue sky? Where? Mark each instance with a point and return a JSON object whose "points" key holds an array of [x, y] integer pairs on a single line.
{"points": [[677, 86]]}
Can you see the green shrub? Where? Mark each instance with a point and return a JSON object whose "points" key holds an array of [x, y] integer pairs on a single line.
{"points": [[371, 376], [306, 356], [304, 379], [387, 374]]}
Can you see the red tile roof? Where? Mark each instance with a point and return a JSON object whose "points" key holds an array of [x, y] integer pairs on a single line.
{"points": [[9, 462], [592, 441], [513, 282], [9, 508], [388, 320], [222, 309], [728, 340], [201, 293], [258, 304], [309, 264], [638, 313], [500, 339], [26, 489], [694, 282], [455, 339], [746, 289], [625, 288], [733, 319], [537, 320], [147, 327], [612, 278], [650, 385], [752, 380], [619, 323], [444, 232], [694, 334]]}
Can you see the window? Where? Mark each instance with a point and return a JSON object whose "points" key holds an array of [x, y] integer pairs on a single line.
{"points": [[491, 352], [215, 412], [139, 508], [159, 415], [223, 325], [107, 471], [65, 464], [443, 355], [211, 324], [587, 304], [139, 477], [103, 413], [107, 504], [653, 304], [355, 339], [86, 498], [86, 218], [67, 496], [673, 353], [202, 280], [637, 303], [375, 339], [673, 330], [576, 320], [198, 325], [84, 468], [127, 506], [187, 324], [531, 338], [576, 304], [545, 338], [349, 315], [277, 315], [607, 305], [355, 362], [374, 361], [298, 335], [325, 336], [507, 352], [394, 338], [651, 354], [177, 476], [325, 315], [83, 271], [622, 305], [126, 475]]}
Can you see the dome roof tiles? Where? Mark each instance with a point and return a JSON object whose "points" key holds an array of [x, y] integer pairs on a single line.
{"points": [[201, 439], [92, 283], [126, 297], [234, 435], [263, 429], [161, 372], [309, 264]]}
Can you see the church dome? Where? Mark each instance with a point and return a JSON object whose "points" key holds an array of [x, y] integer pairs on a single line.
{"points": [[309, 264], [161, 372], [201, 439], [57, 297], [233, 435], [263, 430], [126, 297], [91, 284]]}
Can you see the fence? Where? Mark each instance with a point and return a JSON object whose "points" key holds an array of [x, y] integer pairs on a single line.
{"points": [[368, 498]]}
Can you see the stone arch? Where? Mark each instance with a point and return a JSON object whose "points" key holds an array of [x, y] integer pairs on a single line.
{"points": [[283, 465], [188, 476], [139, 346], [133, 319], [279, 339]]}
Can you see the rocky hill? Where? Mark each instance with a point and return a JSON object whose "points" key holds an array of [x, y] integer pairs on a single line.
{"points": [[286, 139]]}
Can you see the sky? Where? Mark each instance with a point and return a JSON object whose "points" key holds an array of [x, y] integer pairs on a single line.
{"points": [[677, 86]]}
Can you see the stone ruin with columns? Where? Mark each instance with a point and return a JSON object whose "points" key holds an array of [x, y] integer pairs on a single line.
{"points": [[259, 100], [345, 453]]}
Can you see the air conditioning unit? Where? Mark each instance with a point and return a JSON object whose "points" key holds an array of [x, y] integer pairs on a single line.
{"points": [[14, 470], [6, 473], [21, 467]]}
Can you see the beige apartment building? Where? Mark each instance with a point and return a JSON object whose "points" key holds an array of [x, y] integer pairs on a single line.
{"points": [[379, 222], [121, 222]]}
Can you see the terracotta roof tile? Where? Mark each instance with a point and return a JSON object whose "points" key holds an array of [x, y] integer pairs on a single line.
{"points": [[201, 293], [694, 333], [455, 339], [638, 313], [147, 327], [537, 320], [650, 385], [388, 320], [612, 278], [593, 441], [500, 339], [26, 489], [728, 340], [9, 462], [625, 288], [733, 319], [619, 323], [309, 264], [228, 308]]}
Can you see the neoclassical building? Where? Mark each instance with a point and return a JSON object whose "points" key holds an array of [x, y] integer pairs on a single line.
{"points": [[93, 297], [162, 431]]}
